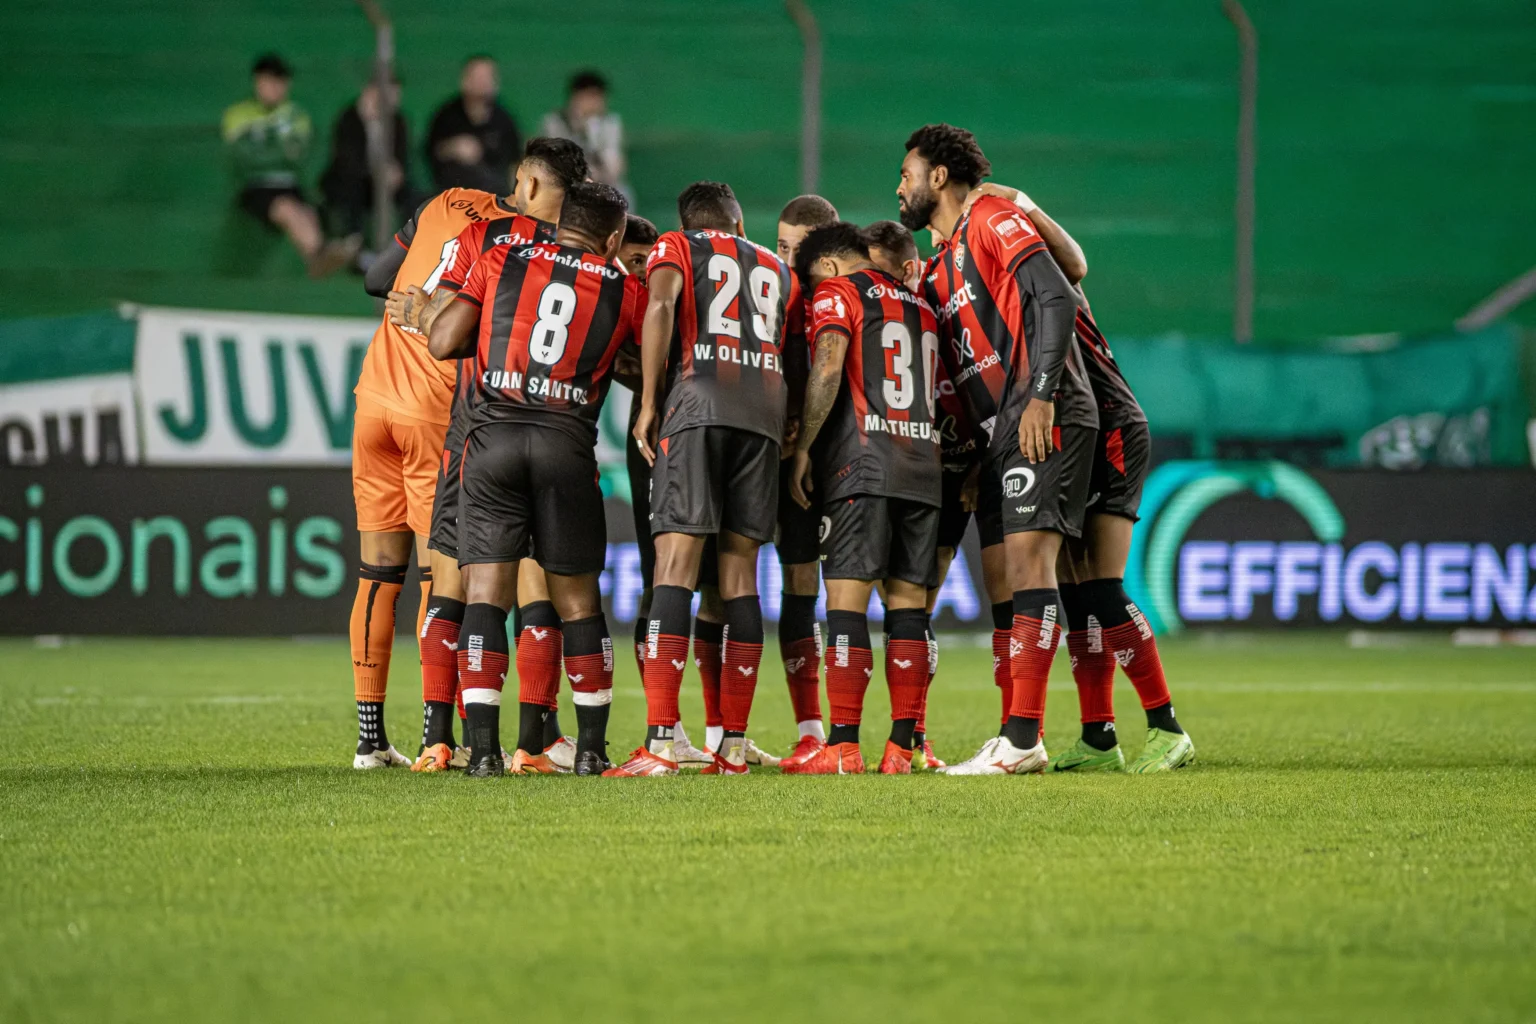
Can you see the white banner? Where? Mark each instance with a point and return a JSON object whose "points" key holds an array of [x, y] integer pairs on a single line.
{"points": [[89, 420], [239, 388]]}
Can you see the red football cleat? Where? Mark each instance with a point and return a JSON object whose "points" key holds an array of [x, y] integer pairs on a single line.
{"points": [[807, 748], [897, 760], [642, 764], [832, 759]]}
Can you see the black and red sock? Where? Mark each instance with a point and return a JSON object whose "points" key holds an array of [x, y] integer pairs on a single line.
{"points": [[483, 661], [906, 670], [800, 648], [850, 663], [1002, 639], [1093, 667], [439, 640], [708, 638], [666, 656], [1036, 615], [589, 667], [740, 656], [1128, 639]]}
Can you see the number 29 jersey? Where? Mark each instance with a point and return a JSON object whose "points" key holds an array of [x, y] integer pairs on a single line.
{"points": [[880, 437], [739, 305], [552, 318]]}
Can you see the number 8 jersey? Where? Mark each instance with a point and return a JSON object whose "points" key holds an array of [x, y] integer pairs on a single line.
{"points": [[552, 317], [739, 305], [880, 436]]}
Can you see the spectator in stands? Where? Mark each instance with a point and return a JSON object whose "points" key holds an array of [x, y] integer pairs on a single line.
{"points": [[347, 183], [586, 119], [473, 141], [268, 137]]}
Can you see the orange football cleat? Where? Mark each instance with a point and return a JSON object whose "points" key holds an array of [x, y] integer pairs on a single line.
{"points": [[524, 763], [641, 764], [725, 766], [807, 748], [897, 760], [833, 759], [436, 758]]}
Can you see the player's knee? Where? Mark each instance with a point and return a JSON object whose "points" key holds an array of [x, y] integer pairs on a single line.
{"points": [[804, 578]]}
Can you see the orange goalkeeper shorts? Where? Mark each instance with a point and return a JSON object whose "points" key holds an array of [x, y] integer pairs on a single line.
{"points": [[395, 460]]}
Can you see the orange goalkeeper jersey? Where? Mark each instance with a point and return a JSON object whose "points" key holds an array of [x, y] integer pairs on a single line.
{"points": [[398, 371]]}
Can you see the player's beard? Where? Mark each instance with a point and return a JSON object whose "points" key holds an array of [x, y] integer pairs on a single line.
{"points": [[916, 210]]}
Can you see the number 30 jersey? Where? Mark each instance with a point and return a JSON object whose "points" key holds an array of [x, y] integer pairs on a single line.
{"points": [[739, 306], [880, 437], [552, 318]]}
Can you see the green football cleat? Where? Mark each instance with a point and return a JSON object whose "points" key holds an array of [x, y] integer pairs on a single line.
{"points": [[1164, 751], [1081, 757]]}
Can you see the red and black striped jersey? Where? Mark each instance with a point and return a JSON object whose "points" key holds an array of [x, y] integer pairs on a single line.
{"points": [[739, 307], [990, 322], [459, 257], [880, 436], [958, 447], [552, 317], [1117, 402]]}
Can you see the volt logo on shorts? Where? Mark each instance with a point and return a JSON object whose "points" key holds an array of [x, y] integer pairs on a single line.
{"points": [[476, 652], [1018, 482]]}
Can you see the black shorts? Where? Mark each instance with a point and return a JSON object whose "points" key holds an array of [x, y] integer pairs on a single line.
{"points": [[445, 500], [798, 527], [1120, 461], [952, 518], [640, 507], [872, 537], [1021, 496], [257, 200], [530, 489], [708, 479]]}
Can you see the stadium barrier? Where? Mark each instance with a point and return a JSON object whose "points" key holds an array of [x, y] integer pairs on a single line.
{"points": [[269, 551]]}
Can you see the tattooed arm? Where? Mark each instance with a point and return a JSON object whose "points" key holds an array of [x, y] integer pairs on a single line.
{"points": [[821, 388]]}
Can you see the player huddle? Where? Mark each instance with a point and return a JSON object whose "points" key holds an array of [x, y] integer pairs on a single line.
{"points": [[840, 397]]}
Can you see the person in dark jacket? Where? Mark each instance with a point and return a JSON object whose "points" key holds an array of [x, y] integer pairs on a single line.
{"points": [[347, 183], [473, 142]]}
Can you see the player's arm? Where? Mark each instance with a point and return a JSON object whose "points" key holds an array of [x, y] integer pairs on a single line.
{"points": [[1064, 248], [415, 308], [666, 285], [821, 387], [1042, 280], [382, 272], [452, 335]]}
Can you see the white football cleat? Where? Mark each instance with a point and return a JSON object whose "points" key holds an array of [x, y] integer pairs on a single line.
{"points": [[562, 753], [366, 760], [997, 756], [686, 754], [757, 755], [460, 759]]}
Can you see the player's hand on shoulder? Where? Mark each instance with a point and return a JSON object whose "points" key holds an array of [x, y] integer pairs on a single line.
{"points": [[404, 308], [800, 483], [992, 188]]}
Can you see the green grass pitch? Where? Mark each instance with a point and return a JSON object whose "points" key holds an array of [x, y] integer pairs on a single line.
{"points": [[181, 838]]}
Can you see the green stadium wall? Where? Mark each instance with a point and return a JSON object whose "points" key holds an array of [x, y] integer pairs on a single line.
{"points": [[1395, 146]]}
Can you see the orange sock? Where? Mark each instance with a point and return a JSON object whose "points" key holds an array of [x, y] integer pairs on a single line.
{"points": [[373, 628]]}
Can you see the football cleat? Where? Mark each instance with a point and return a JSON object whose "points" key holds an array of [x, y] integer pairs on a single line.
{"points": [[368, 758], [436, 758], [831, 759], [688, 755], [897, 760], [807, 748], [590, 762], [642, 764], [485, 767], [924, 759], [562, 753], [1164, 751], [757, 755], [1081, 757], [731, 760], [524, 763], [999, 757], [460, 759]]}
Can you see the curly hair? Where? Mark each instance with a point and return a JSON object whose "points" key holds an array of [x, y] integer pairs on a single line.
{"points": [[944, 145], [839, 238]]}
